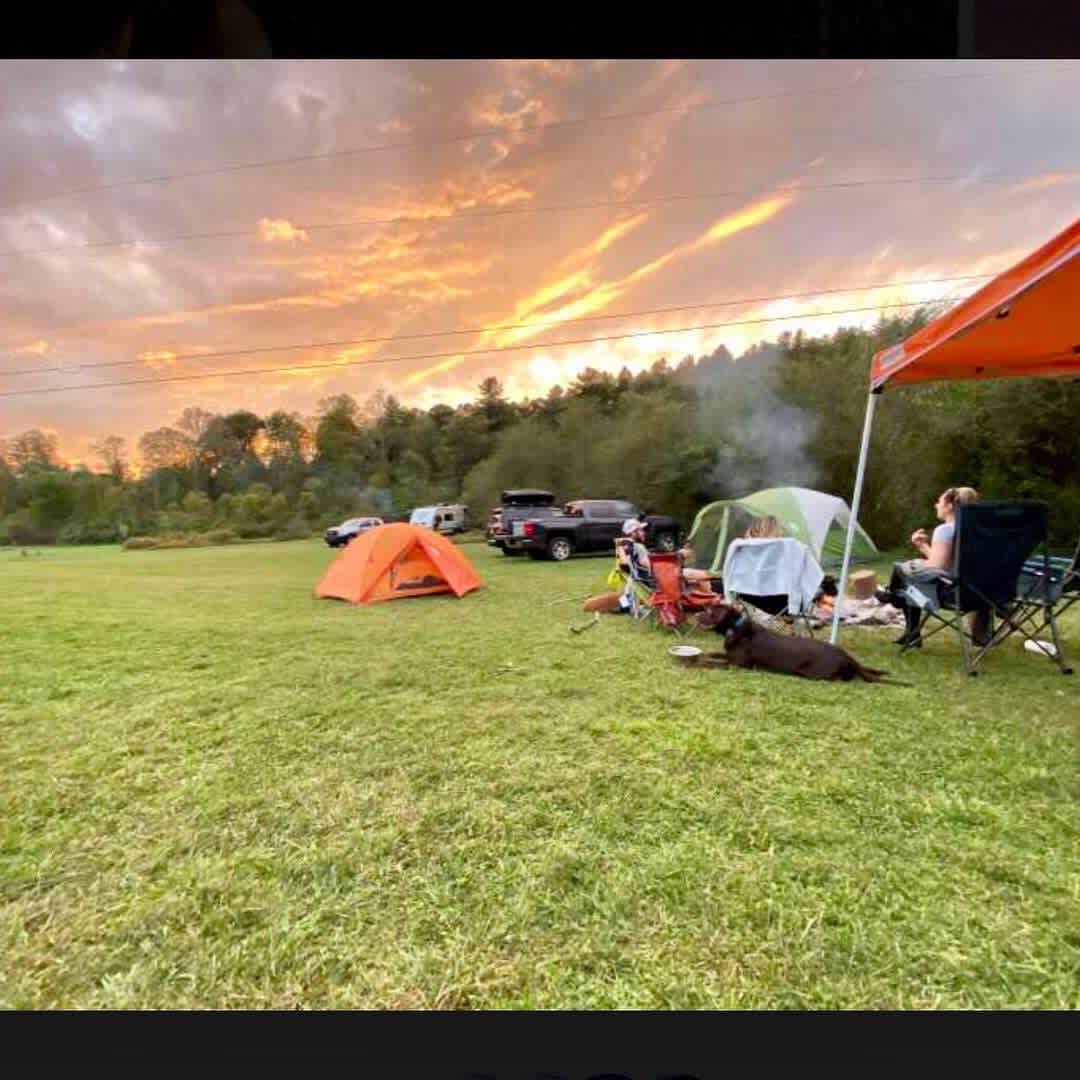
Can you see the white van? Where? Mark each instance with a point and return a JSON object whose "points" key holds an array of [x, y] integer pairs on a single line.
{"points": [[444, 519]]}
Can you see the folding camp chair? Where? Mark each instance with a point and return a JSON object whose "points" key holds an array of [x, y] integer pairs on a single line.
{"points": [[1047, 588], [674, 598], [637, 586], [779, 577], [995, 541]]}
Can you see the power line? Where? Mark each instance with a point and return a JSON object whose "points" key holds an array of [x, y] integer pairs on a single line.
{"points": [[469, 352], [499, 327], [526, 128], [98, 245]]}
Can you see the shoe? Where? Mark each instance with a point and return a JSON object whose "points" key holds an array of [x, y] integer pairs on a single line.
{"points": [[912, 641]]}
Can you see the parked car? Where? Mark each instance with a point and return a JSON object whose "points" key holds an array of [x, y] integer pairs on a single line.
{"points": [[339, 535], [442, 518], [506, 530], [592, 525]]}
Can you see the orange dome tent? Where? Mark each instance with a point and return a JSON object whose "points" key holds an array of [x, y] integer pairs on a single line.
{"points": [[393, 561]]}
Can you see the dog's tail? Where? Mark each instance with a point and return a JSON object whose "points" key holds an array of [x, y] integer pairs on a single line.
{"points": [[876, 675]]}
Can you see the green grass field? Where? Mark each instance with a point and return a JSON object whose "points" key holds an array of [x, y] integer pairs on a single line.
{"points": [[218, 791]]}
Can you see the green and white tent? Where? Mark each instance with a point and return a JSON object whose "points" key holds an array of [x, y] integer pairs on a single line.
{"points": [[820, 521]]}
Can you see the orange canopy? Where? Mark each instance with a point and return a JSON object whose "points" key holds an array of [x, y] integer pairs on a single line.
{"points": [[394, 561], [1024, 322]]}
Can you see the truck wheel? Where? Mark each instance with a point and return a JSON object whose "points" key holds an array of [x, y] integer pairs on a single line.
{"points": [[560, 549], [665, 541]]}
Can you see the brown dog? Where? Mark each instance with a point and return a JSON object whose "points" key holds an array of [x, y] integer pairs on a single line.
{"points": [[747, 645]]}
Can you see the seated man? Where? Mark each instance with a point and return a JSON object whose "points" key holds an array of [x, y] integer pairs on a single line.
{"points": [[635, 551]]}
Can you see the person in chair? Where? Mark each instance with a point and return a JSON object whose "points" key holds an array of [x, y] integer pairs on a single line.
{"points": [[936, 562]]}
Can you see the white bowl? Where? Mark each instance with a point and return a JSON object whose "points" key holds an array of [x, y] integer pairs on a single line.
{"points": [[684, 651]]}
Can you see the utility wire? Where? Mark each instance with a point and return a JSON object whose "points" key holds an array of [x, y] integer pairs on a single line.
{"points": [[100, 245], [461, 353], [493, 329], [525, 128]]}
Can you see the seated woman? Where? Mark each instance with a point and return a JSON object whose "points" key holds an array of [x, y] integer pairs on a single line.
{"points": [[764, 528], [935, 564]]}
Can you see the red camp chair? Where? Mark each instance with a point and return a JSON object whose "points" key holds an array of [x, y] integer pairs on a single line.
{"points": [[673, 599]]}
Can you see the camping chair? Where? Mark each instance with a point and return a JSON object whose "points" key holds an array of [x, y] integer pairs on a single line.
{"points": [[995, 541], [1047, 588], [779, 577], [673, 597], [637, 586]]}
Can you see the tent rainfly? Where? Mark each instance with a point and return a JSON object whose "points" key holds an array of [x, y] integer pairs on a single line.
{"points": [[817, 519], [1024, 323], [395, 561]]}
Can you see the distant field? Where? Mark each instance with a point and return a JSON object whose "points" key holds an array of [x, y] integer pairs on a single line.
{"points": [[218, 791]]}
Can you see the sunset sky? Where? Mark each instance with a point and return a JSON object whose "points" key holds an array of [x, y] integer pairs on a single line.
{"points": [[461, 210]]}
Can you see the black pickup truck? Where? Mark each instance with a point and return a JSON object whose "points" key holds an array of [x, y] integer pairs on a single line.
{"points": [[592, 525], [506, 527]]}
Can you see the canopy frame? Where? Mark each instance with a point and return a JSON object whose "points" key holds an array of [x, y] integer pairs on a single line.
{"points": [[913, 361]]}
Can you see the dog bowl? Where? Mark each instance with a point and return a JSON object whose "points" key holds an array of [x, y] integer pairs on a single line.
{"points": [[687, 653]]}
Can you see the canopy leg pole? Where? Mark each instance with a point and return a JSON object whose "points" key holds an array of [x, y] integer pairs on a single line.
{"points": [[860, 474]]}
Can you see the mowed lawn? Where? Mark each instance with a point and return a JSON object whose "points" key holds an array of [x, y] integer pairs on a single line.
{"points": [[218, 791]]}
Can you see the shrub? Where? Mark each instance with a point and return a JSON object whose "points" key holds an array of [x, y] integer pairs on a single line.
{"points": [[254, 530], [90, 532], [169, 542], [23, 534], [140, 543], [308, 506], [219, 536], [295, 530]]}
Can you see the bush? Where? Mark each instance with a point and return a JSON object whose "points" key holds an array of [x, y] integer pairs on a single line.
{"points": [[295, 530], [140, 543], [168, 542], [219, 536], [91, 532], [254, 530], [22, 534]]}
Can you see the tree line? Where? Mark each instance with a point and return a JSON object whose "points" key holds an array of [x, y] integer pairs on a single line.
{"points": [[670, 438]]}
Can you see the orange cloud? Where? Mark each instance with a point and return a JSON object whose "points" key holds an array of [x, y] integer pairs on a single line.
{"points": [[1043, 182], [271, 229], [611, 236], [757, 214], [36, 348], [601, 295], [158, 358]]}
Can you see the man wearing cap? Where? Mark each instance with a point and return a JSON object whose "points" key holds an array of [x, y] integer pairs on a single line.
{"points": [[636, 552]]}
